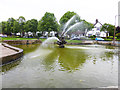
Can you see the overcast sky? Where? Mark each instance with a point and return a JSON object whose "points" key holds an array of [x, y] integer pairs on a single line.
{"points": [[103, 10]]}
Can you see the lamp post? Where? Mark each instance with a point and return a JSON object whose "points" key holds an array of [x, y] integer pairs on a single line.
{"points": [[115, 29]]}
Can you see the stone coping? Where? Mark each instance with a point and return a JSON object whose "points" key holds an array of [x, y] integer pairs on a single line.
{"points": [[117, 43], [10, 57], [85, 42], [22, 42]]}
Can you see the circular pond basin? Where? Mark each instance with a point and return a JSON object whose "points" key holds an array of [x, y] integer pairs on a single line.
{"points": [[87, 66]]}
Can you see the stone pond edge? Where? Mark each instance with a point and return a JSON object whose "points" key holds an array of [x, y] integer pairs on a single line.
{"points": [[7, 59]]}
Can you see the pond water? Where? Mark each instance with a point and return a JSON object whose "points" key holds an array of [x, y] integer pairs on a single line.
{"points": [[87, 66]]}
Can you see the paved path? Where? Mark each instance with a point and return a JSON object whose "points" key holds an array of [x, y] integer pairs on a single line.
{"points": [[4, 51]]}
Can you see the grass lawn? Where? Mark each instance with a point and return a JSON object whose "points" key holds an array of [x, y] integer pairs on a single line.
{"points": [[74, 41], [108, 39], [42, 39], [118, 39], [68, 41], [15, 38], [12, 38]]}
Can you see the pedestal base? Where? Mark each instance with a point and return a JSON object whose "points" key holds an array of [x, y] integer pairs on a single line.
{"points": [[61, 46]]}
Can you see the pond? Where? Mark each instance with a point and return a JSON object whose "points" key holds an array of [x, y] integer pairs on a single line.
{"points": [[75, 66]]}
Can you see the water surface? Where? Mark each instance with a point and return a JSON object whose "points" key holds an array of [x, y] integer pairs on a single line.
{"points": [[87, 66]]}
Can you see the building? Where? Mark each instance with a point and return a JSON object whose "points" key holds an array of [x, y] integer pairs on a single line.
{"points": [[96, 31]]}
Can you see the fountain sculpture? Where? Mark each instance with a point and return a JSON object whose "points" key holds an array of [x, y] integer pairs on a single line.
{"points": [[61, 42], [72, 24]]}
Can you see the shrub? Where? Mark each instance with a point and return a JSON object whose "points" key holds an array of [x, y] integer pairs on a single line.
{"points": [[39, 34], [118, 35], [110, 37], [94, 36], [91, 37], [17, 36]]}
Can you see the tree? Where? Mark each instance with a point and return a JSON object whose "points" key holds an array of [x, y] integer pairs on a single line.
{"points": [[66, 17], [118, 35], [118, 29], [31, 26], [48, 23], [10, 24], [4, 27], [109, 28], [15, 27], [64, 24], [89, 25], [71, 19], [21, 21]]}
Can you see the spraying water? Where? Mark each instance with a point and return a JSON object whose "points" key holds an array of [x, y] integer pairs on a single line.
{"points": [[75, 27], [69, 22], [49, 42]]}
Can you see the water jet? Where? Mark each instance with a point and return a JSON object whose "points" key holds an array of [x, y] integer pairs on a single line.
{"points": [[70, 24]]}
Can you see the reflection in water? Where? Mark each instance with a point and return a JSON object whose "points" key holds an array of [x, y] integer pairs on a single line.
{"points": [[70, 60], [10, 65], [27, 49], [49, 60], [73, 66]]}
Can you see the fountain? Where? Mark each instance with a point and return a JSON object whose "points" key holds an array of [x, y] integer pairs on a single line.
{"points": [[49, 42], [61, 42], [72, 24]]}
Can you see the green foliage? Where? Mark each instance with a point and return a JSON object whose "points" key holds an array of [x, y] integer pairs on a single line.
{"points": [[118, 39], [31, 25], [66, 17], [91, 36], [39, 34], [87, 25], [108, 39], [21, 21], [118, 29], [111, 37], [109, 28], [118, 35], [94, 36], [4, 27], [15, 27], [48, 23], [10, 25]]}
